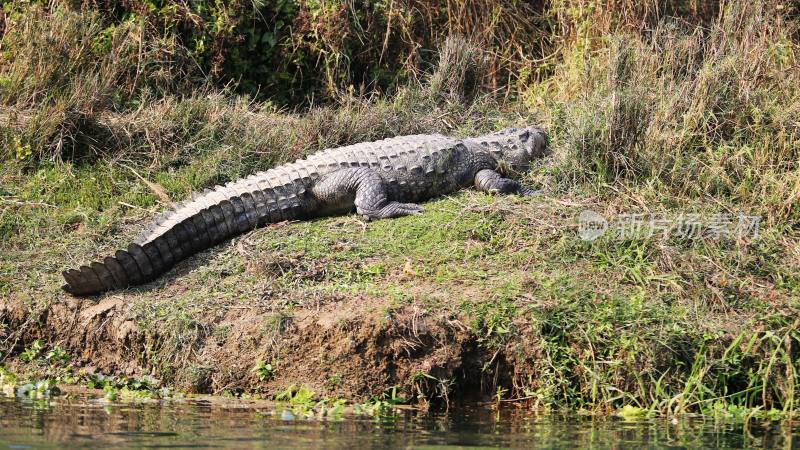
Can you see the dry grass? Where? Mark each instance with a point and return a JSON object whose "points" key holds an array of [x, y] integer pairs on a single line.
{"points": [[705, 112], [61, 71]]}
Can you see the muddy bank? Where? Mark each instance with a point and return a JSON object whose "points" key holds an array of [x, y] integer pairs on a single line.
{"points": [[352, 349]]}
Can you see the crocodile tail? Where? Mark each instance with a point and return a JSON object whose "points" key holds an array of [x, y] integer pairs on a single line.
{"points": [[136, 265], [142, 263], [169, 243]]}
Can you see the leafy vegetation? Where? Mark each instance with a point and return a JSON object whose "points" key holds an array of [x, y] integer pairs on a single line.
{"points": [[264, 370], [304, 402], [284, 50]]}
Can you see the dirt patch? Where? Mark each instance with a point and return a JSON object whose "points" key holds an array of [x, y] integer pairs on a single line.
{"points": [[353, 349]]}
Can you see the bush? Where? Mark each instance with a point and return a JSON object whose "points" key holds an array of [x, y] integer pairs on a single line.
{"points": [[704, 112], [62, 69]]}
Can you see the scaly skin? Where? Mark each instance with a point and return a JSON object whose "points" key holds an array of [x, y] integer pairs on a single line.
{"points": [[379, 180]]}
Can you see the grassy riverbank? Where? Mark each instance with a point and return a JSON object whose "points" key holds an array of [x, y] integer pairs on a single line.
{"points": [[479, 298]]}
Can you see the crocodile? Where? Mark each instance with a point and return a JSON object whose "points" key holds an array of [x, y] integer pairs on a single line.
{"points": [[380, 179]]}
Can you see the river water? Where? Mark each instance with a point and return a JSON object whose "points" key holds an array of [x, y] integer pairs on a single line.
{"points": [[91, 423]]}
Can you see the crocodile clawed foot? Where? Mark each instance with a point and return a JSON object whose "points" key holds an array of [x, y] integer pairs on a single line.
{"points": [[410, 208], [529, 192], [394, 209]]}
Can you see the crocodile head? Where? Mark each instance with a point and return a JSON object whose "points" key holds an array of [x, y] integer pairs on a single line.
{"points": [[515, 148]]}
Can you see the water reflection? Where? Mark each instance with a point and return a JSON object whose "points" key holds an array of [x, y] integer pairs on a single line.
{"points": [[83, 422]]}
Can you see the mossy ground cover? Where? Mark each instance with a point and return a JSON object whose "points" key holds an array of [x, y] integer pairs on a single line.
{"points": [[479, 297]]}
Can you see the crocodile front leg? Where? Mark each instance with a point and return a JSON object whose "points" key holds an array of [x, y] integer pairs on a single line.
{"points": [[488, 180], [363, 188]]}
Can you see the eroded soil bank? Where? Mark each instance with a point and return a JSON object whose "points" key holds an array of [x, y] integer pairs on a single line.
{"points": [[353, 349]]}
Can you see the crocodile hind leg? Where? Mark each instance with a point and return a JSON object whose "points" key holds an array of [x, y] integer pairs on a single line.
{"points": [[363, 188], [488, 180]]}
